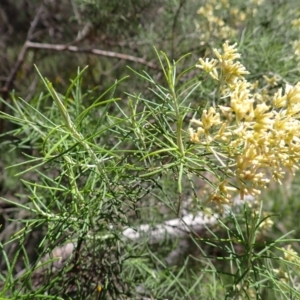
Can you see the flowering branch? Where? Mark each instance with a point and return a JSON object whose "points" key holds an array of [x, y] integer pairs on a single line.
{"points": [[259, 132]]}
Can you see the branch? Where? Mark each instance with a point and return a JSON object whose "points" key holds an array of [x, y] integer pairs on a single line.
{"points": [[70, 48], [21, 56], [12, 75], [182, 2], [181, 227], [175, 228]]}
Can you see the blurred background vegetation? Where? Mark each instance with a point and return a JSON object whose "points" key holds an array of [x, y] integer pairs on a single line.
{"points": [[263, 29], [111, 35]]}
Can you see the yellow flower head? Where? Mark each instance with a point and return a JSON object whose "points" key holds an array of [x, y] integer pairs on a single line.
{"points": [[229, 69], [290, 254], [279, 100], [229, 52], [258, 133]]}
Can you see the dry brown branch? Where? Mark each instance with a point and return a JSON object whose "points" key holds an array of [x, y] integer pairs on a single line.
{"points": [[70, 48], [57, 47], [21, 56], [12, 75]]}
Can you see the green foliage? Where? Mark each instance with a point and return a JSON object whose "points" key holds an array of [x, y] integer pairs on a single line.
{"points": [[90, 159], [91, 170]]}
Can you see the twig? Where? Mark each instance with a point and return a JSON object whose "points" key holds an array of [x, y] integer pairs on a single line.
{"points": [[56, 47], [182, 2], [21, 56], [70, 48], [12, 75]]}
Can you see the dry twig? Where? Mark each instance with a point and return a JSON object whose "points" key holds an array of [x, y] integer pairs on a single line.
{"points": [[99, 52]]}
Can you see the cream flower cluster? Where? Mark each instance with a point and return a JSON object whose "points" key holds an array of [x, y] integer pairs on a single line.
{"points": [[290, 255], [223, 19], [260, 132]]}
